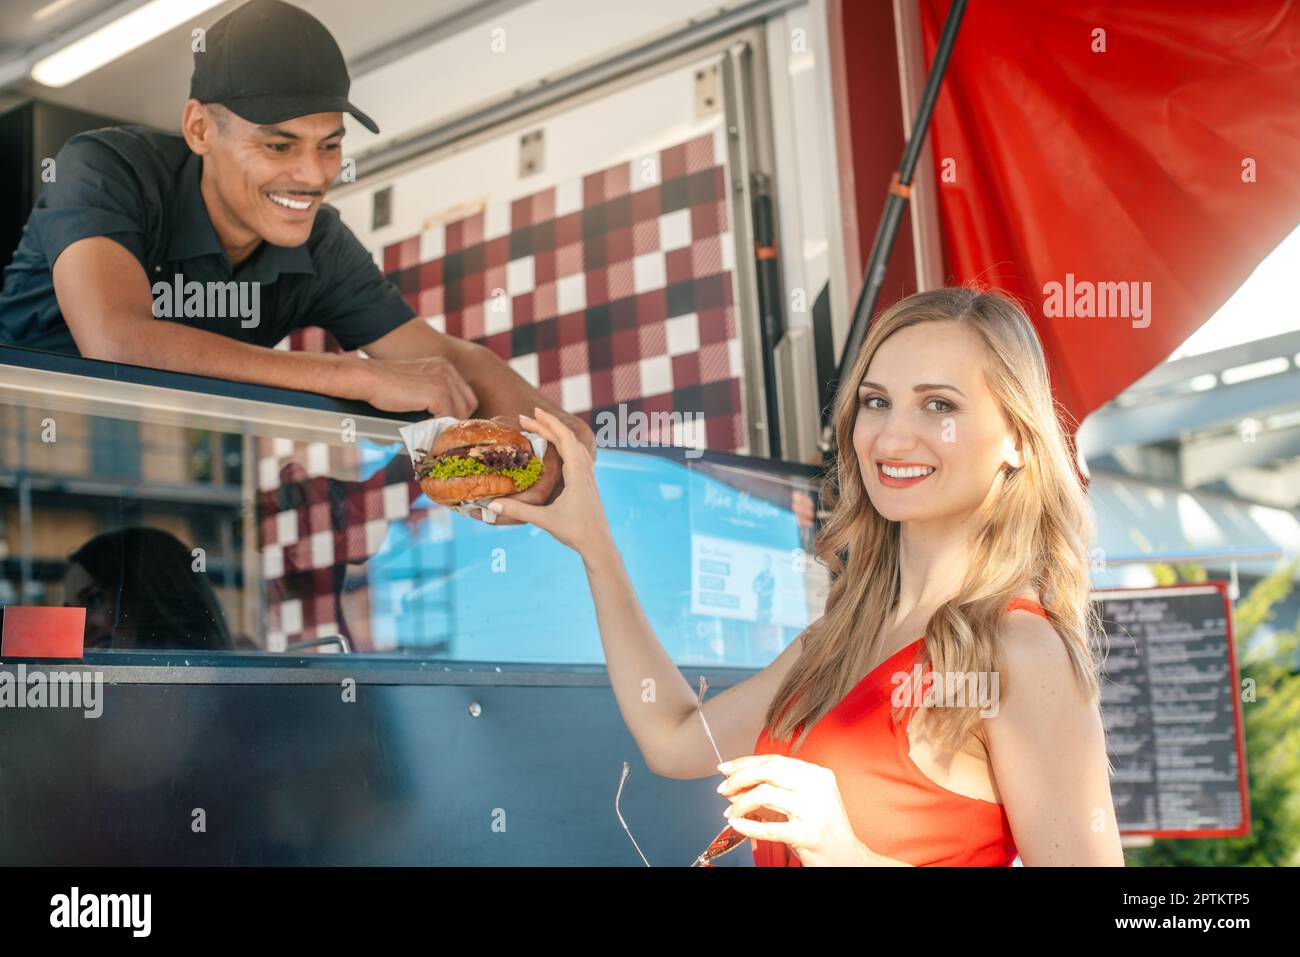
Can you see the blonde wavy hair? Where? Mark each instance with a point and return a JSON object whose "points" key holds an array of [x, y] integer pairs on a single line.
{"points": [[1033, 531]]}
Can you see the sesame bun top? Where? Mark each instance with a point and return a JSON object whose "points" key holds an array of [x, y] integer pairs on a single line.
{"points": [[479, 432]]}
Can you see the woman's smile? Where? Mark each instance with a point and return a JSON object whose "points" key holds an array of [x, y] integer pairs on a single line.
{"points": [[902, 474]]}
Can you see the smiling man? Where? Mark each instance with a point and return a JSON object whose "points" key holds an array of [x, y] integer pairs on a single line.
{"points": [[235, 204]]}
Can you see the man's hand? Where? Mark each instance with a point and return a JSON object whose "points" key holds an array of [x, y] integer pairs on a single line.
{"points": [[409, 385]]}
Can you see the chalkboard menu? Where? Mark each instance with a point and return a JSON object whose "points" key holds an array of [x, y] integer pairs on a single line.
{"points": [[1172, 710]]}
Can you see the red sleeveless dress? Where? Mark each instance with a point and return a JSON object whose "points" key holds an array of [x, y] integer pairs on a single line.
{"points": [[894, 808]]}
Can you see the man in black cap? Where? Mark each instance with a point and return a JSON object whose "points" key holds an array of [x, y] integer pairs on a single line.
{"points": [[235, 204]]}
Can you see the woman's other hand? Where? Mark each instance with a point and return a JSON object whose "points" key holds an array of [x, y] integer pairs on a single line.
{"points": [[816, 824]]}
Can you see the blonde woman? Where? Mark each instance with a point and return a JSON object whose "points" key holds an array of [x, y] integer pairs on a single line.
{"points": [[957, 543]]}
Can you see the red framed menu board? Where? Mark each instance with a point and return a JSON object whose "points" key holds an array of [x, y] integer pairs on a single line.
{"points": [[1171, 705]]}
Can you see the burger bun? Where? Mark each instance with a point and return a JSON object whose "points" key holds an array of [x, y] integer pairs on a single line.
{"points": [[453, 491]]}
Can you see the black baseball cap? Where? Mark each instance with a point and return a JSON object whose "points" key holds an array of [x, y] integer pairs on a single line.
{"points": [[269, 61]]}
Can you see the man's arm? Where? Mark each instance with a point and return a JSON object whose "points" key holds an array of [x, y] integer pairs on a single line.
{"points": [[104, 296]]}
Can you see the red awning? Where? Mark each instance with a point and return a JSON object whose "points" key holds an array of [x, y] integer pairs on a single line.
{"points": [[1172, 158]]}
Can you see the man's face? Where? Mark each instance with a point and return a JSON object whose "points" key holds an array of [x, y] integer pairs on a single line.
{"points": [[271, 179]]}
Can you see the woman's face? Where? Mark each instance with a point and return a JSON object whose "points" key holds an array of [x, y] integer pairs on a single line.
{"points": [[929, 436], [82, 591]]}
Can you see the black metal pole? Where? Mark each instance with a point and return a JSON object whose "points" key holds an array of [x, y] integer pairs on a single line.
{"points": [[887, 231], [772, 326]]}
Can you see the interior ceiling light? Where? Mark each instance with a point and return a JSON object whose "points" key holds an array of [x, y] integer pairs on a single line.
{"points": [[50, 9], [116, 39]]}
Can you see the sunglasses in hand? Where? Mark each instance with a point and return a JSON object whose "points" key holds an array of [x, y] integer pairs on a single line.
{"points": [[728, 838]]}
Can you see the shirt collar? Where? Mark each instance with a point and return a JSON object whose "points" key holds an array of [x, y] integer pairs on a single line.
{"points": [[193, 234]]}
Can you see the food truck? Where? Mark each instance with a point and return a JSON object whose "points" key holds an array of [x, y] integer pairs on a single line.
{"points": [[662, 218]]}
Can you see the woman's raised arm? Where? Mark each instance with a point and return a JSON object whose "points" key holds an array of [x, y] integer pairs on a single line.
{"points": [[658, 704]]}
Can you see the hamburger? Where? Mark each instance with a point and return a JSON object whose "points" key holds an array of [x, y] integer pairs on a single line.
{"points": [[477, 458]]}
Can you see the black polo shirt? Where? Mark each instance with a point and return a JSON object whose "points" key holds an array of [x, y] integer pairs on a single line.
{"points": [[140, 188]]}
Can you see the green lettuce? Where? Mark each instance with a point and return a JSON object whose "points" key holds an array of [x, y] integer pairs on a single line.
{"points": [[456, 466]]}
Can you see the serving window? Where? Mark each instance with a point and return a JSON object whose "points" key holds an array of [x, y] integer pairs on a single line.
{"points": [[296, 521]]}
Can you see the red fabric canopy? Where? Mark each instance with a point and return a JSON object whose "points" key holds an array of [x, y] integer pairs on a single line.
{"points": [[1123, 166]]}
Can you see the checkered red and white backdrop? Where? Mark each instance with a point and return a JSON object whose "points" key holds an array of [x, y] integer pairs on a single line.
{"points": [[615, 288], [610, 289]]}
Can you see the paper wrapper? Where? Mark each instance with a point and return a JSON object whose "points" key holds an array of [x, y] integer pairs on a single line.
{"points": [[419, 438]]}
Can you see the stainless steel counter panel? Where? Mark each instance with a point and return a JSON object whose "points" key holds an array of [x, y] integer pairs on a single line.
{"points": [[60, 383]]}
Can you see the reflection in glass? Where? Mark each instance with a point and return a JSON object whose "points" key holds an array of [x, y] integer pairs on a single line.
{"points": [[307, 539], [141, 590]]}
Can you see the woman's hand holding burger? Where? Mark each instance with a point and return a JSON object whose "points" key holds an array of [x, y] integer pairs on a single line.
{"points": [[544, 490], [576, 518]]}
